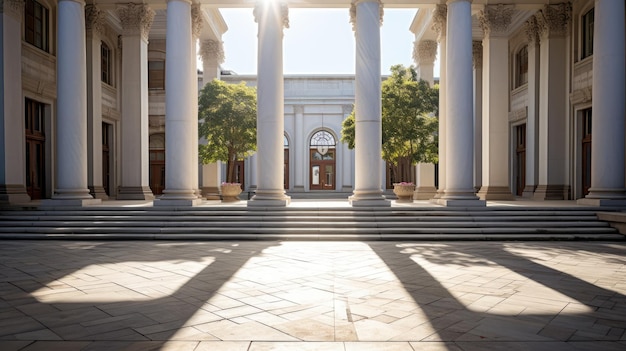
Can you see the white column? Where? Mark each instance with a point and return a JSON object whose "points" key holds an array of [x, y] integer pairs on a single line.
{"points": [[196, 27], [477, 56], [299, 145], [181, 162], [366, 19], [553, 86], [532, 125], [94, 20], [495, 21], [347, 154], [459, 189], [272, 17], [71, 152], [609, 89], [136, 22], [12, 162], [440, 17], [424, 54], [212, 52]]}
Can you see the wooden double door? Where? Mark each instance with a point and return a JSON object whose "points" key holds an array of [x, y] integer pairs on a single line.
{"points": [[322, 170], [34, 122]]}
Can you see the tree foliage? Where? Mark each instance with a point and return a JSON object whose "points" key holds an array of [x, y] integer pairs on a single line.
{"points": [[227, 113], [409, 121]]}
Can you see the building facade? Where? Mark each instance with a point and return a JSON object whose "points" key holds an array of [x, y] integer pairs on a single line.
{"points": [[99, 101]]}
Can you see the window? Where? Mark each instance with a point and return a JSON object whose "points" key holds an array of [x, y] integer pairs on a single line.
{"points": [[521, 67], [156, 75], [36, 21], [587, 34], [105, 55]]}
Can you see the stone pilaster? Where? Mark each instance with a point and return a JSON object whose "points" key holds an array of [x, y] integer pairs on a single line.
{"points": [[136, 21], [440, 19], [196, 28], [366, 17], [271, 17], [533, 31], [495, 21], [477, 61]]}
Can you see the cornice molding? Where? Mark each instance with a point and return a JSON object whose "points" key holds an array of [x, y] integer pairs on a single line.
{"points": [[136, 19]]}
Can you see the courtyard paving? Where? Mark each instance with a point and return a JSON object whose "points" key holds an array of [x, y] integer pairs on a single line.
{"points": [[344, 296]]}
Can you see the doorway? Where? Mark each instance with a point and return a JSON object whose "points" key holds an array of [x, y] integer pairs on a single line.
{"points": [[34, 121], [322, 161], [520, 159], [157, 163], [586, 151]]}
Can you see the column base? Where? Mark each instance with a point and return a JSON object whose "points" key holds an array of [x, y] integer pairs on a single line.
{"points": [[11, 194], [604, 197], [98, 192], [460, 198], [529, 191], [551, 192], [211, 192], [368, 199], [265, 198], [161, 202], [134, 193], [602, 202], [495, 193], [425, 193]]}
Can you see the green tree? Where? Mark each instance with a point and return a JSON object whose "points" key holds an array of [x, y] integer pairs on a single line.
{"points": [[227, 113], [409, 122]]}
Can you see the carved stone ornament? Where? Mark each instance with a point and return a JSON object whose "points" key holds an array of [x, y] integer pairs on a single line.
{"points": [[94, 19], [212, 49], [496, 19], [554, 19], [477, 53], [14, 8], [196, 20], [381, 12], [136, 19], [284, 12], [425, 51], [440, 17], [532, 29]]}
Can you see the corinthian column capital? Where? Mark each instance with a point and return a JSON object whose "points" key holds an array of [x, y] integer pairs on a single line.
{"points": [[284, 12], [425, 51], [136, 19], [496, 19], [14, 8], [196, 20], [381, 11], [440, 18], [212, 49], [554, 19], [94, 20]]}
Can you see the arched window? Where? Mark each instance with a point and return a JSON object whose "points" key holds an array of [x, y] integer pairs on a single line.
{"points": [[322, 141], [521, 67]]}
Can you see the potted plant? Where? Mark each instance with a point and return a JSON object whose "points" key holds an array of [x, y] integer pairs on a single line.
{"points": [[227, 113]]}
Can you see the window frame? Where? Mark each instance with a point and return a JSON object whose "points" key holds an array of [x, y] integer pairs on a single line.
{"points": [[37, 25], [587, 20], [106, 63], [152, 84], [521, 67]]}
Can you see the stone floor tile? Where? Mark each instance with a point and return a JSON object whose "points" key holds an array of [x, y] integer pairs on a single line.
{"points": [[223, 346], [57, 345], [13, 345], [435, 346], [296, 346], [378, 346]]}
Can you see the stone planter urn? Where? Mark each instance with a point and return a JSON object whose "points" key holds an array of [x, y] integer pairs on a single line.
{"points": [[230, 192], [404, 191]]}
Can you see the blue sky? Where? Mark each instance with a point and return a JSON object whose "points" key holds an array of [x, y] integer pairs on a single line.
{"points": [[318, 41]]}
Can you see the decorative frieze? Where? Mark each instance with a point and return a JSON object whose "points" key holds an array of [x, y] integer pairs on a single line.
{"points": [[554, 19], [94, 20], [496, 19], [212, 49], [477, 54], [284, 12], [440, 18], [136, 19], [532, 27], [381, 11], [14, 8], [425, 51], [196, 20]]}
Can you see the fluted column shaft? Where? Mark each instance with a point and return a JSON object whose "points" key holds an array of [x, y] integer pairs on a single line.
{"points": [[459, 189], [609, 89], [71, 153], [368, 113], [271, 17], [181, 163]]}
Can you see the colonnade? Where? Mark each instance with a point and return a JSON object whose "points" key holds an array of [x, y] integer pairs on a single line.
{"points": [[456, 113]]}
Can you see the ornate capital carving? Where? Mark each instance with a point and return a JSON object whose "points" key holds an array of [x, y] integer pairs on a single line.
{"points": [[532, 27], [136, 19], [14, 8], [284, 12], [496, 19], [554, 19], [477, 54], [196, 20], [424, 51], [94, 20], [212, 49], [440, 18], [381, 11]]}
